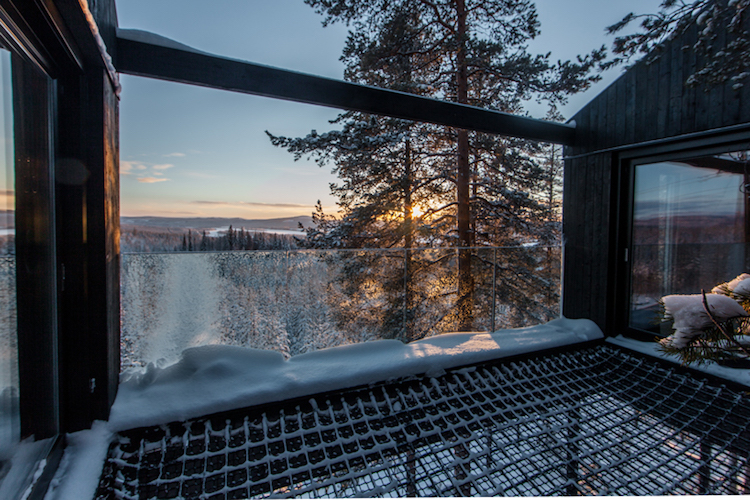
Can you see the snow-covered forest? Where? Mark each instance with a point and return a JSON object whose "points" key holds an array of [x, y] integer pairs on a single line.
{"points": [[298, 301], [149, 239]]}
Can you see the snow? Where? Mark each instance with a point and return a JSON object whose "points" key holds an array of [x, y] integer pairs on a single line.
{"points": [[77, 477], [743, 279], [739, 375], [154, 39], [26, 468], [690, 317], [111, 70], [216, 378]]}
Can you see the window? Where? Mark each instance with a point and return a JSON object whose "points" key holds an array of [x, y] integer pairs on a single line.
{"points": [[9, 412], [690, 229]]}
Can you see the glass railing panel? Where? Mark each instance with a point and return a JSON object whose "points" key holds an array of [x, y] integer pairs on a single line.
{"points": [[527, 289], [9, 409], [297, 301]]}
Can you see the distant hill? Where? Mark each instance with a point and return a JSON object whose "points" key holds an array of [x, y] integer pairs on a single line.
{"points": [[208, 223]]}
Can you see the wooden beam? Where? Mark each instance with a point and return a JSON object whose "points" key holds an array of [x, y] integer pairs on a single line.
{"points": [[146, 54]]}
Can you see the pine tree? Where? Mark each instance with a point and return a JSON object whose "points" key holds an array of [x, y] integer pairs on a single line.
{"points": [[471, 189], [710, 326], [722, 38]]}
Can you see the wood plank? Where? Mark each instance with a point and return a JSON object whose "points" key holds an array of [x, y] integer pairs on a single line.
{"points": [[744, 105], [676, 89], [599, 242], [688, 93], [145, 55], [595, 132], [605, 238], [702, 100], [572, 198], [610, 115], [620, 111], [731, 102], [651, 96], [716, 92], [663, 93], [641, 111], [630, 107]]}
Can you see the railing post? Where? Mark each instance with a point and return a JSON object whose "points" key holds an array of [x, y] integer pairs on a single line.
{"points": [[406, 292], [494, 291]]}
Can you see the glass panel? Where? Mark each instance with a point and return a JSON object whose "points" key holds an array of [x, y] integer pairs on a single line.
{"points": [[690, 229], [9, 415], [297, 301]]}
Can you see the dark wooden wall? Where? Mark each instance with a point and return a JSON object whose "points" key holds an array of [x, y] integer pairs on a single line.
{"points": [[88, 234], [649, 102], [67, 237]]}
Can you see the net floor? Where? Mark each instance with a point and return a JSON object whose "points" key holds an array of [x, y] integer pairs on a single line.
{"points": [[597, 421]]}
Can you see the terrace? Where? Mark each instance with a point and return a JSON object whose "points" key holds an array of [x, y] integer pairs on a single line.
{"points": [[574, 406]]}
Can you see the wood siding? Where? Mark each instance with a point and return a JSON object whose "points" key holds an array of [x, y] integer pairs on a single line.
{"points": [[648, 102]]}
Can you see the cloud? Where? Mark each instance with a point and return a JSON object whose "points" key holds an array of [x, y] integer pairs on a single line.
{"points": [[151, 180], [127, 167], [175, 155], [163, 166], [252, 204]]}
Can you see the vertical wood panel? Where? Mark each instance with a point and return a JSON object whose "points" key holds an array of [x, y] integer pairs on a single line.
{"points": [[716, 94], [650, 128], [663, 92], [620, 105], [676, 83], [630, 107], [688, 93], [641, 106]]}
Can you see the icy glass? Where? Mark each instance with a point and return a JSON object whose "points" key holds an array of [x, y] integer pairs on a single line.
{"points": [[9, 416], [690, 229], [299, 301]]}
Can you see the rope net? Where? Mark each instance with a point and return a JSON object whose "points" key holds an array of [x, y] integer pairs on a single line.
{"points": [[597, 421]]}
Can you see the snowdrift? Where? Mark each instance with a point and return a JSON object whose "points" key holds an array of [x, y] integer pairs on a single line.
{"points": [[215, 378]]}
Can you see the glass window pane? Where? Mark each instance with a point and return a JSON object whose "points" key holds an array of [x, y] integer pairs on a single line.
{"points": [[690, 229], [9, 416]]}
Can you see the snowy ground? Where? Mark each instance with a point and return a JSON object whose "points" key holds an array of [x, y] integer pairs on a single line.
{"points": [[216, 378]]}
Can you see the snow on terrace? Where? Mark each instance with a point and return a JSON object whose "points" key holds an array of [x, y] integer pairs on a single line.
{"points": [[215, 378]]}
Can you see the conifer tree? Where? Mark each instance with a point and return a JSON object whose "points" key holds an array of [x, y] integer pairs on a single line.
{"points": [[472, 189], [722, 38]]}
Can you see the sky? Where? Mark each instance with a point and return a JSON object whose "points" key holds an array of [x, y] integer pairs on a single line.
{"points": [[188, 151], [673, 189]]}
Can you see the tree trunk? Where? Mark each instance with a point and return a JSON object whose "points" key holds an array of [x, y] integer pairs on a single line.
{"points": [[465, 304]]}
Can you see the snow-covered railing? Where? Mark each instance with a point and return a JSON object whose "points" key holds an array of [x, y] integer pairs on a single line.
{"points": [[302, 300]]}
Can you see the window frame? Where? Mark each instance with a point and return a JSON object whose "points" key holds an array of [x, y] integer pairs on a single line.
{"points": [[624, 187]]}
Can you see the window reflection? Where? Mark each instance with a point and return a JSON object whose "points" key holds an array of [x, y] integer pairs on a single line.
{"points": [[9, 416], [690, 229]]}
